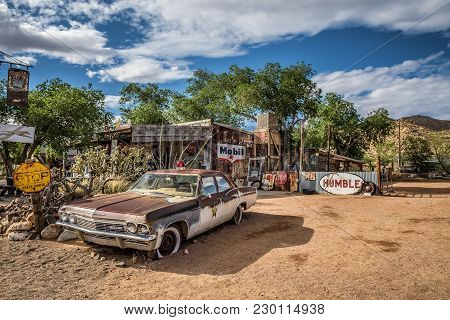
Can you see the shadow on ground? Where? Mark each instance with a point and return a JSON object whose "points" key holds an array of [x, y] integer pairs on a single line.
{"points": [[228, 249]]}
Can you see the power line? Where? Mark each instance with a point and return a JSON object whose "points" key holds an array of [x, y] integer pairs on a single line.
{"points": [[388, 42], [14, 60]]}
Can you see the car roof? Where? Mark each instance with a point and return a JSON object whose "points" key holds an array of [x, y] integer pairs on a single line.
{"points": [[201, 172]]}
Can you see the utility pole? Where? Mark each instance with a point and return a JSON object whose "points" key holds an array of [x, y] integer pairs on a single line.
{"points": [[399, 146], [300, 158], [329, 147]]}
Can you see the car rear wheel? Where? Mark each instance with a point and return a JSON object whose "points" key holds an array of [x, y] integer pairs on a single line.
{"points": [[170, 242]]}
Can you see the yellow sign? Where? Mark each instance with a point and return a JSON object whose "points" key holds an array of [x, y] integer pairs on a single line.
{"points": [[31, 177]]}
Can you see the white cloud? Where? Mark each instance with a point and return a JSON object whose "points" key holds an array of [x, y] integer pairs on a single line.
{"points": [[412, 87], [80, 44], [145, 70], [112, 102], [175, 31]]}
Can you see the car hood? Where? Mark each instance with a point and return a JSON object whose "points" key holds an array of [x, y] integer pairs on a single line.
{"points": [[133, 203]]}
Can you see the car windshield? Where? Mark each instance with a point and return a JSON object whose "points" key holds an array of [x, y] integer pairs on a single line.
{"points": [[181, 185]]}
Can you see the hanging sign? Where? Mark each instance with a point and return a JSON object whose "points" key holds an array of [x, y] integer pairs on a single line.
{"points": [[341, 183], [230, 152], [17, 91], [31, 177], [13, 133]]}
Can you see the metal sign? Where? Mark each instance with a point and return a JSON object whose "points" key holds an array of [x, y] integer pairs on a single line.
{"points": [[31, 177], [18, 83], [13, 133], [281, 178], [230, 152], [341, 183]]}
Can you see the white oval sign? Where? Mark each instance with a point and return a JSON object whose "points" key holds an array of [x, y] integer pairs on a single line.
{"points": [[341, 183]]}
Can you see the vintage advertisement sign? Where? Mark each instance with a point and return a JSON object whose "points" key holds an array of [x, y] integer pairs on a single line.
{"points": [[230, 152], [17, 91], [341, 183], [13, 133], [31, 177], [281, 178]]}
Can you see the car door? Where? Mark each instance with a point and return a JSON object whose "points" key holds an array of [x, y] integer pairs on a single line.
{"points": [[230, 197], [211, 205]]}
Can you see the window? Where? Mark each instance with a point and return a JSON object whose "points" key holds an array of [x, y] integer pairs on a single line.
{"points": [[223, 184], [208, 186], [168, 184]]}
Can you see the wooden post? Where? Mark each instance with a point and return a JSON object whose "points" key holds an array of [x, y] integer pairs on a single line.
{"points": [[380, 188], [36, 202]]}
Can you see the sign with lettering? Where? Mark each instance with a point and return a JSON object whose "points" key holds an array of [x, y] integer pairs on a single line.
{"points": [[31, 177], [17, 93], [341, 183], [13, 133], [230, 152]]}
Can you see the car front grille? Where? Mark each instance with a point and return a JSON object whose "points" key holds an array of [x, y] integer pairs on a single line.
{"points": [[101, 226]]}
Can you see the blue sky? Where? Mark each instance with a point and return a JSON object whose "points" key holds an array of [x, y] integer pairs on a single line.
{"points": [[110, 43]]}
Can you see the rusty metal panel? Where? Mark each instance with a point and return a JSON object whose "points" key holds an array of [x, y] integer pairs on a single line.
{"points": [[156, 133], [17, 91]]}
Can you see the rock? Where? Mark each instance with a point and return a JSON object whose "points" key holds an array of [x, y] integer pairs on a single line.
{"points": [[15, 219], [67, 235], [30, 217], [51, 231], [97, 256], [120, 264], [186, 252], [102, 259], [18, 235], [92, 254], [20, 226]]}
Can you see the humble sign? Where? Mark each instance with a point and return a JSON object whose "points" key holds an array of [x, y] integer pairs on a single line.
{"points": [[341, 183], [230, 152]]}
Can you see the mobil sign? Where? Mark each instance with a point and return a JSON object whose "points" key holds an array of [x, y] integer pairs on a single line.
{"points": [[341, 183], [230, 152]]}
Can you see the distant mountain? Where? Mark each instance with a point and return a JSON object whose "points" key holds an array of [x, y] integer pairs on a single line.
{"points": [[427, 123]]}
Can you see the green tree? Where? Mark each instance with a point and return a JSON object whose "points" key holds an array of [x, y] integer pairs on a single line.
{"points": [[287, 92], [417, 151], [377, 126], [216, 97], [339, 120], [64, 117], [350, 134], [440, 146], [145, 104]]}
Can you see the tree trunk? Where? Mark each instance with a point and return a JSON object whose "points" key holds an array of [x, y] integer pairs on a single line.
{"points": [[6, 160]]}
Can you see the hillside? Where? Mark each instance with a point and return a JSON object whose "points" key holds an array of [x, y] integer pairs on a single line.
{"points": [[427, 123]]}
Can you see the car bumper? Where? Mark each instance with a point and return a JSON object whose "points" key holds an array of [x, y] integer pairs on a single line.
{"points": [[123, 241]]}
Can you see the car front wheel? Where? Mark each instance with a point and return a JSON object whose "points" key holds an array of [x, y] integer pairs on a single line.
{"points": [[170, 242]]}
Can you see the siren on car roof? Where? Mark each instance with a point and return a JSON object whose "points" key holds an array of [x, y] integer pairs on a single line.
{"points": [[180, 165]]}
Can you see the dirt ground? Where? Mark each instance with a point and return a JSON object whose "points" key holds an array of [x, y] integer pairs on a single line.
{"points": [[289, 246]]}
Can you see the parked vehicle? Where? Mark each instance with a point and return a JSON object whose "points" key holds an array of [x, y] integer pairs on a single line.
{"points": [[160, 210]]}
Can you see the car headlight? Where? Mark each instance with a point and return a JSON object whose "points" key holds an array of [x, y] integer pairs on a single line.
{"points": [[131, 227], [143, 229], [63, 216], [72, 219]]}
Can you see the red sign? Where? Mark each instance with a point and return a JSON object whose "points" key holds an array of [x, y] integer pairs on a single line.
{"points": [[281, 178]]}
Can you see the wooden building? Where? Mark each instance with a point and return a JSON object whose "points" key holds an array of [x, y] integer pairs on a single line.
{"points": [[317, 160]]}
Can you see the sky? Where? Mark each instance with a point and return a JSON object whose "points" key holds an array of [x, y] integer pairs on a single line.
{"points": [[386, 53]]}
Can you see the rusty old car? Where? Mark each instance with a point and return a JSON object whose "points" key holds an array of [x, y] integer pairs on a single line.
{"points": [[159, 211]]}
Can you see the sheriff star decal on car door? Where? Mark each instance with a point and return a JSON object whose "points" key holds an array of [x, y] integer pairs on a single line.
{"points": [[214, 211]]}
